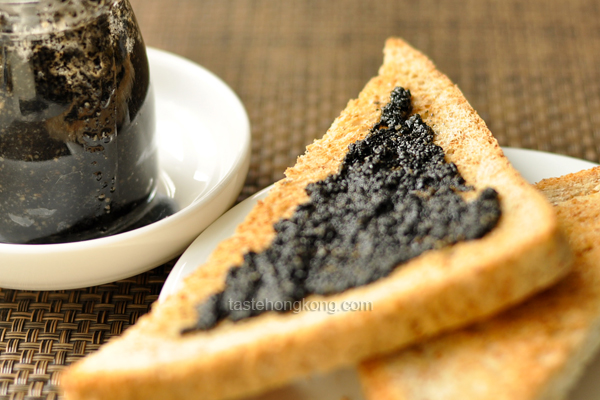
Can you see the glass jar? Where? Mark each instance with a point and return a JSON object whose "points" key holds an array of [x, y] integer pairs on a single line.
{"points": [[78, 157]]}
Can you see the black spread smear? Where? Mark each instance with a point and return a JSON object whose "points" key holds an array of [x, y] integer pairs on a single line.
{"points": [[394, 198]]}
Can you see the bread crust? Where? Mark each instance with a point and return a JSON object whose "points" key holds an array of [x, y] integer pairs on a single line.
{"points": [[437, 291], [569, 186], [532, 352]]}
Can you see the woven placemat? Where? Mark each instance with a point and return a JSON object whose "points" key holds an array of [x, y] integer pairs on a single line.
{"points": [[529, 68], [42, 332]]}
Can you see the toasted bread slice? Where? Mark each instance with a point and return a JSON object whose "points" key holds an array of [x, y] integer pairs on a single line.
{"points": [[534, 351], [440, 290]]}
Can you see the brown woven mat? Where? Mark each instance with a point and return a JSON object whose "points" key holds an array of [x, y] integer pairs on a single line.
{"points": [[531, 69]]}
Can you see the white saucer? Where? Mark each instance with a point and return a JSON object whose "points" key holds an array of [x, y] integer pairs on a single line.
{"points": [[533, 165], [204, 150]]}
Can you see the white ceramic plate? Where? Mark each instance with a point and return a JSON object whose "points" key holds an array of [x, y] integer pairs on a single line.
{"points": [[203, 161], [533, 165]]}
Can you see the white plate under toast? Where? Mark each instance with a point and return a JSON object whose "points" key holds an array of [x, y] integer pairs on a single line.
{"points": [[203, 163], [533, 165]]}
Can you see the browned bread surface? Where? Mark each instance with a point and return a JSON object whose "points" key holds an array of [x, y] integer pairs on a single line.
{"points": [[532, 352], [437, 291], [569, 186]]}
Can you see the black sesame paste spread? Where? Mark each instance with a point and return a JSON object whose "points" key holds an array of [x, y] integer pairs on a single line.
{"points": [[393, 198]]}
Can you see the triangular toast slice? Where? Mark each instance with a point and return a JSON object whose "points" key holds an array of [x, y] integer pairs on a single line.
{"points": [[534, 351], [437, 291]]}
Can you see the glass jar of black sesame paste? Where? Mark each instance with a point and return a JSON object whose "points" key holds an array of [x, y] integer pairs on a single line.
{"points": [[78, 158]]}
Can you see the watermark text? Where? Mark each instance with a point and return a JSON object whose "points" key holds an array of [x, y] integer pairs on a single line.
{"points": [[330, 307]]}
